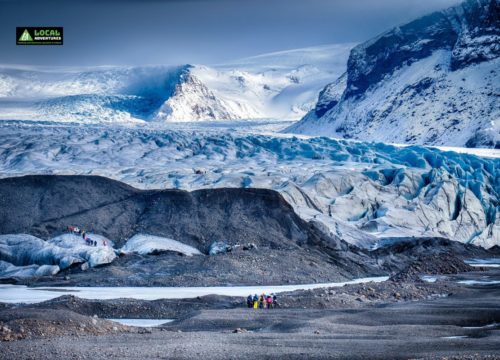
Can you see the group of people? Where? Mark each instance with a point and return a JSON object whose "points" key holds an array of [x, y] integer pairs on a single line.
{"points": [[88, 240], [262, 302]]}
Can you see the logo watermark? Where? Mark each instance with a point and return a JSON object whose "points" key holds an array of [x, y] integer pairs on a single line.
{"points": [[43, 35]]}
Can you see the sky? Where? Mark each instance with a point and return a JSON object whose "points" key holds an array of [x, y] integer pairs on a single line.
{"points": [[146, 32]]}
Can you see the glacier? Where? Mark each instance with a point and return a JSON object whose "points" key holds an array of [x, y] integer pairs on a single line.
{"points": [[24, 256], [28, 252], [281, 85], [8, 270], [368, 194]]}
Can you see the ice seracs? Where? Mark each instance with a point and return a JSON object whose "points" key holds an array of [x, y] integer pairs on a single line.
{"points": [[32, 256], [364, 193], [23, 255], [102, 253], [8, 270]]}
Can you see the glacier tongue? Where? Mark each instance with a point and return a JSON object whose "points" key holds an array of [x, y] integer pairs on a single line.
{"points": [[360, 192]]}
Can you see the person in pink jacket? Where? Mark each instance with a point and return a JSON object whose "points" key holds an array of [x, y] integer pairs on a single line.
{"points": [[269, 301]]}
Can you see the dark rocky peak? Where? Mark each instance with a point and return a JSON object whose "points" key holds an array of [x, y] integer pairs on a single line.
{"points": [[479, 38], [470, 30], [330, 96]]}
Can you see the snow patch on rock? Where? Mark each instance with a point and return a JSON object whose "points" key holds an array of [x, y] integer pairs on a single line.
{"points": [[219, 247]]}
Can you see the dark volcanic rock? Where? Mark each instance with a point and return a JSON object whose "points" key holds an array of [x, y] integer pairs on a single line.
{"points": [[470, 30], [397, 254], [330, 96], [371, 62], [479, 34], [33, 323], [142, 309], [45, 205], [437, 264], [285, 248]]}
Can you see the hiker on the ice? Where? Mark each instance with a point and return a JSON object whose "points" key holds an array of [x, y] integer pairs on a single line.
{"points": [[74, 229], [261, 302], [84, 235], [250, 301], [275, 300]]}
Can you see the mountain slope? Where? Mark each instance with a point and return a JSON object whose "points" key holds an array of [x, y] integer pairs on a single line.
{"points": [[281, 85], [433, 81]]}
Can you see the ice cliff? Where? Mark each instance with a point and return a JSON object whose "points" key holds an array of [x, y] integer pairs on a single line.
{"points": [[23, 256], [26, 255]]}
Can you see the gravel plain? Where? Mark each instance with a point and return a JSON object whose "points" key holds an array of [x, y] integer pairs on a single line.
{"points": [[390, 320]]}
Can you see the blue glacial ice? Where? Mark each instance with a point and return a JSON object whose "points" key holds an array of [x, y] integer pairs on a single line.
{"points": [[362, 192]]}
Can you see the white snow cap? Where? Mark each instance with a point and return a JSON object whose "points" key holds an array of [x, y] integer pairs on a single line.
{"points": [[282, 85]]}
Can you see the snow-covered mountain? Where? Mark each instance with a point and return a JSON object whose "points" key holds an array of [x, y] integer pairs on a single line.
{"points": [[282, 85], [432, 81], [368, 194]]}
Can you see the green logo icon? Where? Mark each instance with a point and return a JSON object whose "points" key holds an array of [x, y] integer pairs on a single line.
{"points": [[39, 35], [26, 36]]}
